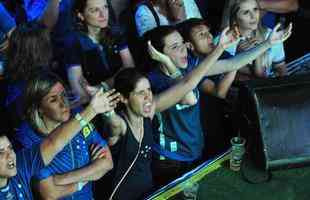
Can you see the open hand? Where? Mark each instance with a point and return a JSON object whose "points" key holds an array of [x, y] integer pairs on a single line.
{"points": [[156, 55], [228, 38], [278, 36], [105, 102]]}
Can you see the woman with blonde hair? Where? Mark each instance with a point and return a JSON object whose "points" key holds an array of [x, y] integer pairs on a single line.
{"points": [[246, 16]]}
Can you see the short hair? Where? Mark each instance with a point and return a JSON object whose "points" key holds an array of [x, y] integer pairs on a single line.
{"points": [[157, 36], [126, 81], [185, 28], [36, 89]]}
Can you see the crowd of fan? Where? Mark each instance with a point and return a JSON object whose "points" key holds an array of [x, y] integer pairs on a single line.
{"points": [[100, 104]]}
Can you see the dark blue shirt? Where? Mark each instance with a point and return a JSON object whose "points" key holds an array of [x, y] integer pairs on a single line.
{"points": [[98, 61], [179, 135], [28, 163], [73, 156]]}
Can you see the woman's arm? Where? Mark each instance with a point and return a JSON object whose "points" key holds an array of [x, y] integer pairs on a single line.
{"points": [[174, 94], [50, 191], [173, 72], [100, 165], [55, 142], [241, 59], [223, 86], [77, 83], [127, 58], [279, 6]]}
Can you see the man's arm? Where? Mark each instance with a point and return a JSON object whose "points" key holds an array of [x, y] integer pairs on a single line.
{"points": [[279, 6]]}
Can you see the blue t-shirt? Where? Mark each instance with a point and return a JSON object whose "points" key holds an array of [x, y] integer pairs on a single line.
{"points": [[28, 163], [179, 135], [73, 156]]}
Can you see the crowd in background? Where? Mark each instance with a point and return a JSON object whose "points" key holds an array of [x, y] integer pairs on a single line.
{"points": [[114, 99]]}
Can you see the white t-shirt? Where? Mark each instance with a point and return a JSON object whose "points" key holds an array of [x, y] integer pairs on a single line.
{"points": [[146, 21]]}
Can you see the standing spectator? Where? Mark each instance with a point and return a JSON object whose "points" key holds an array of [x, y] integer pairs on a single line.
{"points": [[94, 53], [153, 13], [85, 158], [245, 15], [16, 170]]}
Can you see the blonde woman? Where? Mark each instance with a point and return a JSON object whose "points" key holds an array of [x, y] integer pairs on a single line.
{"points": [[246, 16]]}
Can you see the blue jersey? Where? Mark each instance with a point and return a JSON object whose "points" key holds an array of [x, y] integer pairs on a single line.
{"points": [[179, 135], [28, 162], [75, 155]]}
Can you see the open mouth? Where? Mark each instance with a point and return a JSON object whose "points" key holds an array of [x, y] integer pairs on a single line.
{"points": [[147, 107], [11, 165]]}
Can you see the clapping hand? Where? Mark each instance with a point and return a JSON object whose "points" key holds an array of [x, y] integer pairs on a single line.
{"points": [[278, 36]]}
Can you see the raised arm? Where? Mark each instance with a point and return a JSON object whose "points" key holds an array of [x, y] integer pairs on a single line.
{"points": [[173, 95], [279, 6], [55, 142], [241, 59], [50, 15], [172, 71]]}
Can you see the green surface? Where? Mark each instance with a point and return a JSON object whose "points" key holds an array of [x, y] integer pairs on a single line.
{"points": [[290, 184]]}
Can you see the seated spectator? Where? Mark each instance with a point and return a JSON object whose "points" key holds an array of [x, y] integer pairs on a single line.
{"points": [[245, 14], [153, 13], [85, 158], [16, 170], [94, 53], [179, 141]]}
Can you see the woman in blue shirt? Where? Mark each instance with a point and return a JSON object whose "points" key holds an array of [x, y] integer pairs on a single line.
{"points": [[95, 53], [86, 157], [16, 170]]}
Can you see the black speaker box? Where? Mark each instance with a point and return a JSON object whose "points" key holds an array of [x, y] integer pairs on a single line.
{"points": [[275, 120]]}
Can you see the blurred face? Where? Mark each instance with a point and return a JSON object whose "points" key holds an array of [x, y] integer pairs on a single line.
{"points": [[176, 49], [202, 40], [248, 15], [96, 13], [54, 107], [141, 98], [7, 159]]}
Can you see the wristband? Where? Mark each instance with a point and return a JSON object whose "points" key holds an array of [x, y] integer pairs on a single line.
{"points": [[109, 114], [176, 74], [82, 121], [104, 86], [80, 185]]}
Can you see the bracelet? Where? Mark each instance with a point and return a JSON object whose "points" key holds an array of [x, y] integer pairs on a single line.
{"points": [[109, 114], [80, 185], [176, 74], [82, 121], [104, 86]]}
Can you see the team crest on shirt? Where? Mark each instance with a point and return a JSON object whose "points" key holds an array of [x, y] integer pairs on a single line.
{"points": [[86, 130]]}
